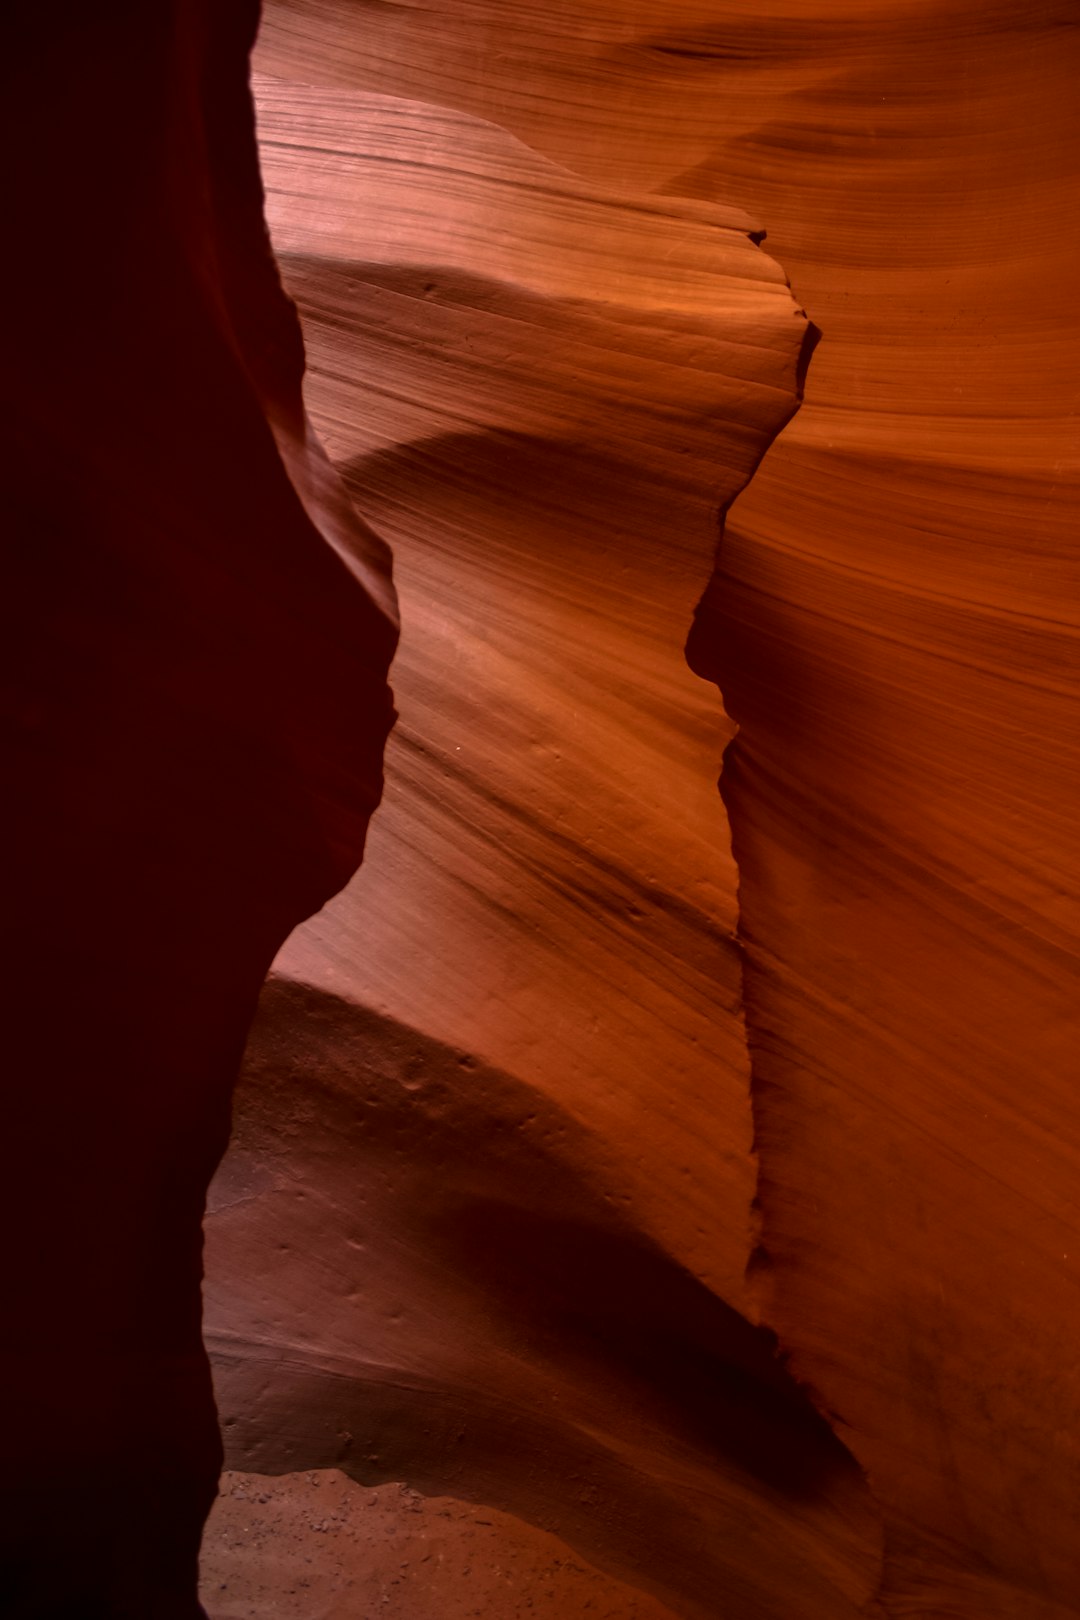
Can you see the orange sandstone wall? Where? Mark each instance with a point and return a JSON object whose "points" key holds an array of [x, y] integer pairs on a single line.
{"points": [[892, 625], [489, 1211], [693, 1199]]}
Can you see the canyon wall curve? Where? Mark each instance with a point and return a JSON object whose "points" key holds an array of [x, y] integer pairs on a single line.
{"points": [[893, 579], [541, 390], [628, 1210]]}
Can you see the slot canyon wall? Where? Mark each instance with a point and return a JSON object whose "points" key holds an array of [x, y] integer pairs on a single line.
{"points": [[197, 628], [641, 1201]]}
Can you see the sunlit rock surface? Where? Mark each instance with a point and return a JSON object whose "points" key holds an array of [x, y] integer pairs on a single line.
{"points": [[549, 902], [509, 1109]]}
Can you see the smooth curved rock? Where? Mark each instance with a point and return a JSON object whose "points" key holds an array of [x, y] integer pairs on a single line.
{"points": [[890, 627], [894, 628], [410, 1279], [515, 1178], [540, 391], [545, 440]]}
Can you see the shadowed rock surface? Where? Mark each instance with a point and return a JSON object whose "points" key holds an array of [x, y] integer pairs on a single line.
{"points": [[417, 1282], [197, 629]]}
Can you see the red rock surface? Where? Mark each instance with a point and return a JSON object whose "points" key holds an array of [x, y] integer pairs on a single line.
{"points": [[891, 625], [541, 390], [564, 1109], [894, 626]]}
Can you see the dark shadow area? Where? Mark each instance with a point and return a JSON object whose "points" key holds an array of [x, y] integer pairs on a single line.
{"points": [[609, 1302], [497, 1189], [578, 1376]]}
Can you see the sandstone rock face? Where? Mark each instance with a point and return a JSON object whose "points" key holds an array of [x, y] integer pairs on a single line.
{"points": [[894, 627], [549, 895], [541, 391], [669, 1215]]}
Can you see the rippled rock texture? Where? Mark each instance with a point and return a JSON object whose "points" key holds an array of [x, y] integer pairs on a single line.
{"points": [[692, 1199], [528, 1177], [891, 623]]}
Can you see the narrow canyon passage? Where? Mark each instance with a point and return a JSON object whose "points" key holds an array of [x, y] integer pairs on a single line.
{"points": [[642, 1200]]}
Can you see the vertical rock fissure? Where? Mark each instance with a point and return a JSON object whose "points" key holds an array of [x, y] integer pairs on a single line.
{"points": [[759, 1274]]}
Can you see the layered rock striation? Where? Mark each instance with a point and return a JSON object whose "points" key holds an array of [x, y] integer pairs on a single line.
{"points": [[889, 624], [541, 391], [708, 1227]]}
